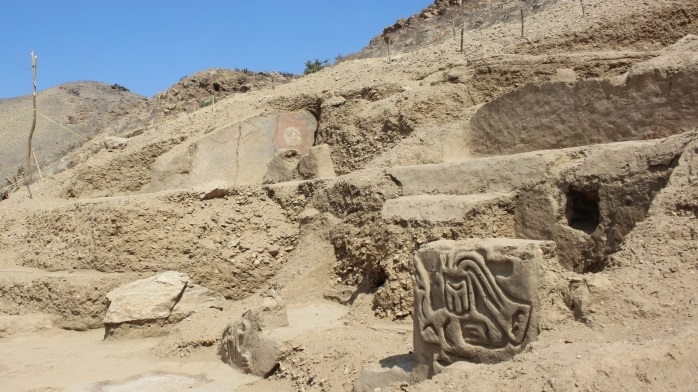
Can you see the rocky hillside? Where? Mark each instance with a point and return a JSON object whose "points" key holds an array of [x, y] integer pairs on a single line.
{"points": [[204, 88], [444, 21]]}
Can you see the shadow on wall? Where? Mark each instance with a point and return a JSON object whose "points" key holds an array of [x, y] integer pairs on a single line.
{"points": [[657, 98]]}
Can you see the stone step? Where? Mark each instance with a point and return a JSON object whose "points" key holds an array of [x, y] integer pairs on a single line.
{"points": [[78, 297], [440, 209], [490, 174]]}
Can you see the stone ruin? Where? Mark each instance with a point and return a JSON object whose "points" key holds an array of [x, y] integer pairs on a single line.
{"points": [[475, 300], [247, 343], [272, 147]]}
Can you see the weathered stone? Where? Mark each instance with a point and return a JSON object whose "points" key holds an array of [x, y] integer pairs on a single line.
{"points": [[334, 101], [657, 95], [475, 300], [25, 324], [238, 153], [96, 147], [115, 143], [375, 377], [341, 294], [147, 299], [566, 75], [213, 190], [247, 344], [282, 167], [195, 298], [491, 174], [444, 208], [317, 164], [148, 307]]}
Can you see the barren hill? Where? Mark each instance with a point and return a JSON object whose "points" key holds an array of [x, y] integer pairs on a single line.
{"points": [[522, 214], [202, 89], [72, 114], [85, 108]]}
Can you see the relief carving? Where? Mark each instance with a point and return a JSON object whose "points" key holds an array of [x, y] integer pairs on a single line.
{"points": [[474, 300]]}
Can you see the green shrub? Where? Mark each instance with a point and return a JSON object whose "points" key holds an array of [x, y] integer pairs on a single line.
{"points": [[205, 102], [314, 66]]}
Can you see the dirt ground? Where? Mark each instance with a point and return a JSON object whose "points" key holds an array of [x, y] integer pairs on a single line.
{"points": [[511, 138]]}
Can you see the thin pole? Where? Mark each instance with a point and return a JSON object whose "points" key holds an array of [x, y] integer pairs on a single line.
{"points": [[31, 132], [36, 161], [522, 25], [583, 10]]}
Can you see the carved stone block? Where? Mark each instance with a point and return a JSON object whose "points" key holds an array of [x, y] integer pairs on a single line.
{"points": [[475, 300], [247, 343]]}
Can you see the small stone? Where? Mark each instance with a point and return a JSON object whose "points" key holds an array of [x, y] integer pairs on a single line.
{"points": [[273, 251]]}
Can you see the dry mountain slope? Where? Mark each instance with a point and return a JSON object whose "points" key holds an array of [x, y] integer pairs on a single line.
{"points": [[84, 107], [72, 114]]}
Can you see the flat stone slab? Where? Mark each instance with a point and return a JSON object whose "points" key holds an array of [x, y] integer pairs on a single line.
{"points": [[475, 300], [148, 307], [146, 299], [238, 154], [491, 174], [443, 208]]}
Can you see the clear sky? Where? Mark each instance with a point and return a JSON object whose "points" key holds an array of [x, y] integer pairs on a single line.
{"points": [[148, 45]]}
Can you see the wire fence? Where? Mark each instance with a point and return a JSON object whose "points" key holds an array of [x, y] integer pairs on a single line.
{"points": [[28, 177], [447, 26], [404, 40]]}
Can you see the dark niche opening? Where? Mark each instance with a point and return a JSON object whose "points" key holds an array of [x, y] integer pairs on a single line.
{"points": [[583, 210]]}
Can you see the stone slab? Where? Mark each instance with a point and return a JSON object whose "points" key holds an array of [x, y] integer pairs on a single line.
{"points": [[238, 153], [146, 299], [475, 300], [492, 174], [443, 208]]}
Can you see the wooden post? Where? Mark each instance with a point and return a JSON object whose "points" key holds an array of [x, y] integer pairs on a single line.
{"points": [[522, 25], [36, 161], [388, 41], [31, 132]]}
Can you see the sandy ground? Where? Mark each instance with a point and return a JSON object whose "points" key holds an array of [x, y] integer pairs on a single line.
{"points": [[83, 361]]}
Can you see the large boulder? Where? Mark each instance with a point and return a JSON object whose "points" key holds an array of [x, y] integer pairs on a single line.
{"points": [[317, 164], [148, 307], [247, 343], [283, 167]]}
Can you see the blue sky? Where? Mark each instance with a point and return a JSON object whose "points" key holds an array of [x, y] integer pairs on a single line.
{"points": [[147, 46]]}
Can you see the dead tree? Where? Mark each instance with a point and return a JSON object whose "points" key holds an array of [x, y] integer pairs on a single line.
{"points": [[31, 132]]}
